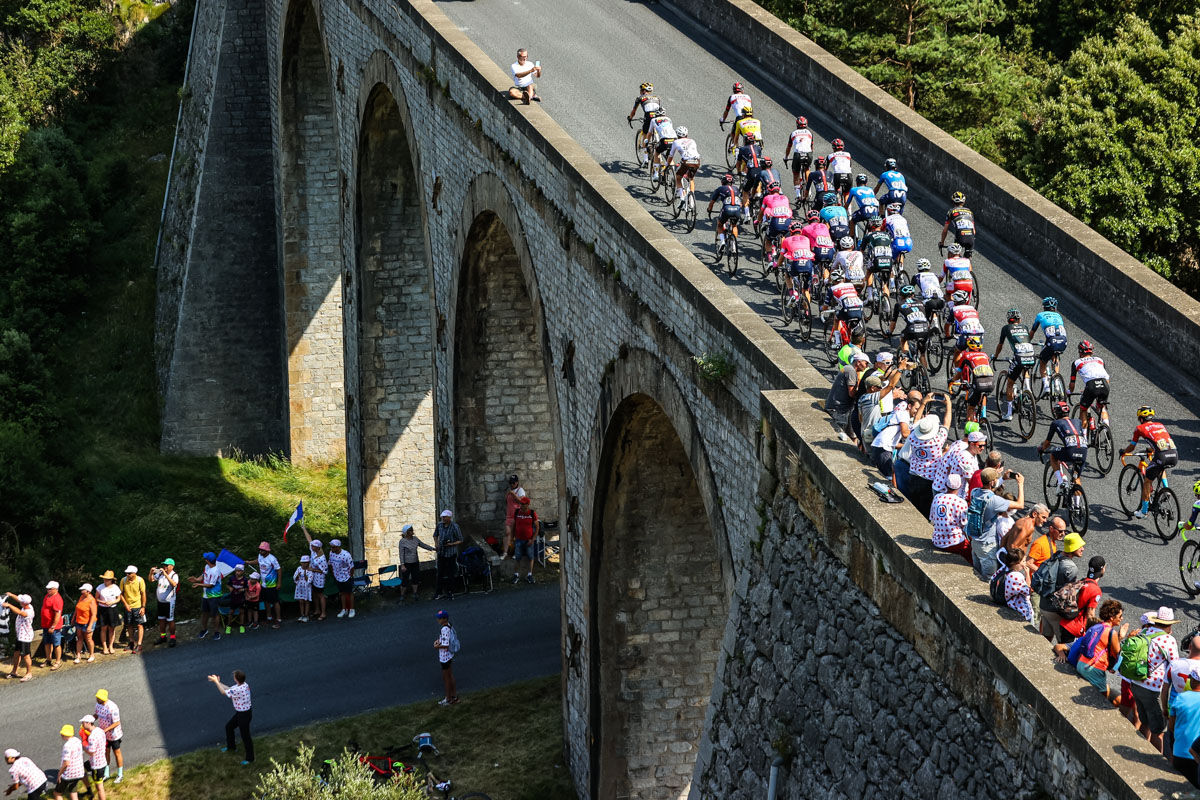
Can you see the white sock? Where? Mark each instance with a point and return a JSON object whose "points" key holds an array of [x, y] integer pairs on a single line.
{"points": [[720, 238]]}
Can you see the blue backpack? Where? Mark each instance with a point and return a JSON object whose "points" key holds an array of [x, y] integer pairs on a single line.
{"points": [[980, 499], [1085, 645]]}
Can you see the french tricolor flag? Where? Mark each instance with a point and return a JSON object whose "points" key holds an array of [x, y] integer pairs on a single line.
{"points": [[297, 515]]}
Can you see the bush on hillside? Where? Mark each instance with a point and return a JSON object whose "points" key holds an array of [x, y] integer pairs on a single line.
{"points": [[347, 780]]}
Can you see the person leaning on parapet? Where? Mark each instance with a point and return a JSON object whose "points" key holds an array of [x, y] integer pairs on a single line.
{"points": [[925, 446], [985, 540], [523, 72], [840, 400], [1150, 695]]}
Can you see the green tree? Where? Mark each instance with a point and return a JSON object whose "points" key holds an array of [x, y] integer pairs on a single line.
{"points": [[1114, 141]]}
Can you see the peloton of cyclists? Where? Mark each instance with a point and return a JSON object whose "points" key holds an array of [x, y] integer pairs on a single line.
{"points": [[731, 210], [1163, 456], [1055, 330], [687, 151], [1090, 368], [961, 221], [800, 149], [1024, 356]]}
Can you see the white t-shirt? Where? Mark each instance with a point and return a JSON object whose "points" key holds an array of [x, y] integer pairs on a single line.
{"points": [[517, 66], [108, 594], [25, 625], [685, 150], [889, 436], [167, 585]]}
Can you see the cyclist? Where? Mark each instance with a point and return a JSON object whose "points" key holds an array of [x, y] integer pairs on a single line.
{"points": [[928, 287], [1016, 335], [962, 221], [897, 227], [974, 369], [817, 181], [747, 126], [1090, 367], [820, 240], [916, 324], [834, 215], [1073, 449], [731, 210], [897, 188], [956, 270], [876, 247], [864, 198], [799, 147], [664, 135], [1164, 455], [839, 166], [850, 262], [842, 297], [796, 259], [1051, 323], [688, 153], [648, 103], [756, 178], [1190, 525], [962, 321], [737, 101], [776, 216]]}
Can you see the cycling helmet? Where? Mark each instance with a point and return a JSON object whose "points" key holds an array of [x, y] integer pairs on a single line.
{"points": [[830, 199], [875, 223], [812, 216], [727, 180], [801, 122], [682, 131], [889, 163], [647, 87], [974, 343], [737, 87], [747, 112], [923, 265], [860, 179], [959, 297], [955, 249], [1061, 410], [837, 275], [1014, 315], [893, 208], [858, 330], [767, 162], [1196, 488], [908, 290], [773, 186], [1085, 348], [846, 243], [1050, 303], [838, 144], [795, 226], [1144, 413], [958, 198], [820, 162]]}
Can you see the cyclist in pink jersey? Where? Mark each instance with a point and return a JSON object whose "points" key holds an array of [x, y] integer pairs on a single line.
{"points": [[820, 241], [775, 214], [796, 260]]}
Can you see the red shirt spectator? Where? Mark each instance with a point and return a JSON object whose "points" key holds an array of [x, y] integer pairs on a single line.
{"points": [[52, 607], [1089, 599], [525, 521]]}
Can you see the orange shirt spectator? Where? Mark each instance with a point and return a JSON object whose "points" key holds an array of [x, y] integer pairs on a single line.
{"points": [[1047, 545], [85, 609]]}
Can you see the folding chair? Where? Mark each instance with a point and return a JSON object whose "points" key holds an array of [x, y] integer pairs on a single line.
{"points": [[394, 582], [360, 583], [473, 566], [542, 549]]}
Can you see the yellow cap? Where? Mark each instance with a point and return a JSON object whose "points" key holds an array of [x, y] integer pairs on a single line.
{"points": [[1072, 542], [102, 695], [67, 730]]}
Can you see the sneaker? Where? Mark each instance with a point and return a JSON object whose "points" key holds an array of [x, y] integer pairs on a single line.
{"points": [[253, 626], [1139, 514], [1006, 416], [170, 643], [241, 628], [119, 779], [515, 578], [203, 633], [503, 556], [341, 613], [454, 700], [443, 702], [529, 578], [350, 615], [226, 630], [217, 636], [302, 619]]}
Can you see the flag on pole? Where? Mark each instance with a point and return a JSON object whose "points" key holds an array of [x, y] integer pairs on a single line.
{"points": [[226, 561], [297, 515]]}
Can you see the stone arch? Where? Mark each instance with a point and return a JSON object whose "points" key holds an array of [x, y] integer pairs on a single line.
{"points": [[505, 409], [660, 578], [311, 241], [390, 406]]}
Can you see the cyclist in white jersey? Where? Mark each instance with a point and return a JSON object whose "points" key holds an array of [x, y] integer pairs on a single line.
{"points": [[664, 135], [737, 101], [799, 148], [929, 287], [839, 169], [850, 262], [687, 153]]}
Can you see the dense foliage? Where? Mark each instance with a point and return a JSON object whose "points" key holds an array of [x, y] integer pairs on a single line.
{"points": [[1093, 107], [346, 779]]}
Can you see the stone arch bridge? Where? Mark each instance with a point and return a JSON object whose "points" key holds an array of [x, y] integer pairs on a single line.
{"points": [[373, 255]]}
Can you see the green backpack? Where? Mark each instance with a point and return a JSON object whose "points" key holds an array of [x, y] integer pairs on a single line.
{"points": [[1134, 662]]}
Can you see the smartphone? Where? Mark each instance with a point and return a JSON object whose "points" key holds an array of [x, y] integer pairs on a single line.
{"points": [[537, 64]]}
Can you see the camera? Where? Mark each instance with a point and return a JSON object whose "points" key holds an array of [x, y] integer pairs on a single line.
{"points": [[1009, 474]]}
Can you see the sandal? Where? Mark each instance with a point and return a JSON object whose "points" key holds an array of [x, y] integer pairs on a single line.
{"points": [[26, 678], [55, 666]]}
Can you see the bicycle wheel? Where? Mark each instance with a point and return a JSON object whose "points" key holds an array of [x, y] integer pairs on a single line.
{"points": [[1001, 388], [730, 156], [787, 309], [885, 314], [1129, 489], [902, 278], [689, 215], [656, 176], [731, 255], [1050, 487], [935, 351], [1105, 449], [1058, 389], [831, 352], [985, 425], [1189, 568], [1165, 509], [638, 150], [975, 293], [668, 187], [949, 363], [764, 243], [1078, 509], [958, 417], [868, 307], [804, 318], [1026, 412]]}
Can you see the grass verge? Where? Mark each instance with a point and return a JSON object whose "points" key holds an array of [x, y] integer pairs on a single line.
{"points": [[505, 742]]}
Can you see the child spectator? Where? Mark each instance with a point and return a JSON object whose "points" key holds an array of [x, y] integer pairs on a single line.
{"points": [[253, 593], [1016, 583], [237, 599], [303, 580]]}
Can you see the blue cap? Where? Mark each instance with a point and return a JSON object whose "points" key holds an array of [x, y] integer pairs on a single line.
{"points": [[210, 556], [443, 615]]}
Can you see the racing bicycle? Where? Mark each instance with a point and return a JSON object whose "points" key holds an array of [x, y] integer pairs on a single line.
{"points": [[1164, 505], [1058, 387], [685, 206], [1024, 402], [727, 251], [1189, 563], [1099, 436], [1062, 489], [975, 292], [794, 306]]}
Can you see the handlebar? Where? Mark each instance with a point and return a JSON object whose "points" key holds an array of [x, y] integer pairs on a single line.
{"points": [[722, 123], [630, 121]]}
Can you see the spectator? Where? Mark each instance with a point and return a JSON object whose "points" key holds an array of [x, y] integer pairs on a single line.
{"points": [[108, 597], [447, 646], [252, 603], [108, 719], [994, 460], [341, 564], [270, 569], [524, 89], [1020, 535], [900, 464], [1088, 600], [70, 771], [237, 599], [319, 566], [25, 775], [302, 577], [866, 397], [410, 561], [211, 591], [1177, 676], [239, 693], [926, 443], [52, 625], [96, 749], [1016, 583], [1150, 695], [133, 597], [962, 459], [892, 427], [990, 506], [840, 400], [447, 536], [525, 526], [949, 518], [1047, 545], [1186, 710], [166, 591], [23, 653], [86, 611], [1063, 570], [512, 502], [1094, 663]]}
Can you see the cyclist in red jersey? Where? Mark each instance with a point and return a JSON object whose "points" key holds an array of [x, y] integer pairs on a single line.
{"points": [[974, 370], [1163, 453]]}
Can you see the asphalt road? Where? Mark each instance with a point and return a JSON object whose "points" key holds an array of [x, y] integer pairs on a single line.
{"points": [[595, 53], [298, 675]]}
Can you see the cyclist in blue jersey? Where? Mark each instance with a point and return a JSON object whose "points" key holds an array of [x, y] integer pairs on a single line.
{"points": [[1055, 331], [834, 215], [897, 188], [1073, 448], [864, 198]]}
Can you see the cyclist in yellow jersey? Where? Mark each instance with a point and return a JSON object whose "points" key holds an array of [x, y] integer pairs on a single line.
{"points": [[747, 125]]}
